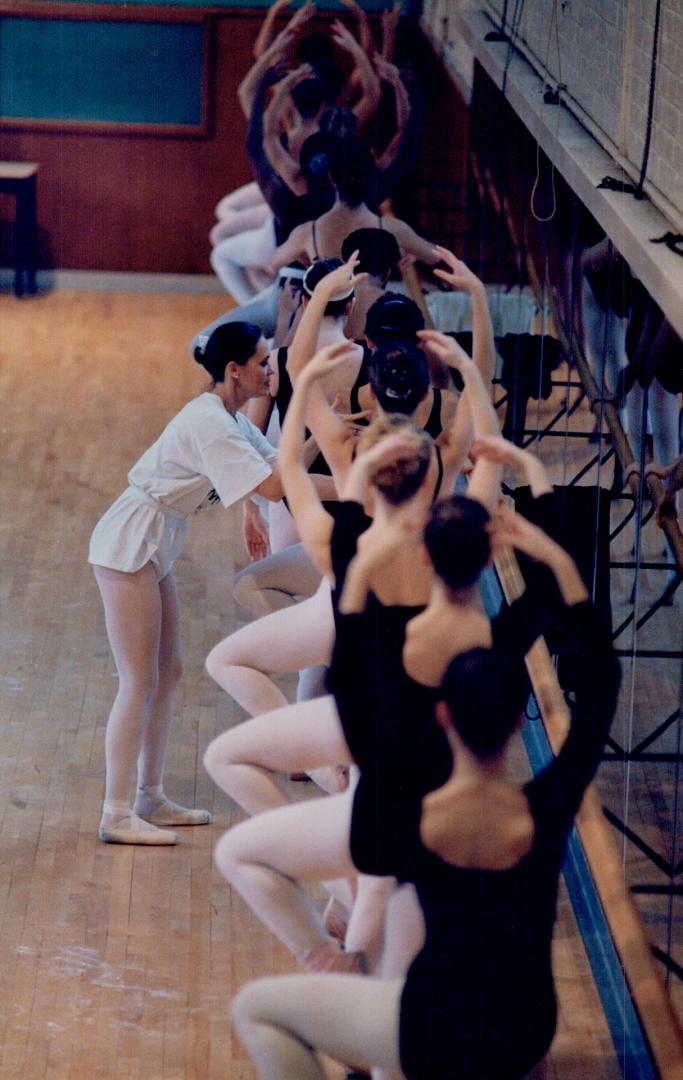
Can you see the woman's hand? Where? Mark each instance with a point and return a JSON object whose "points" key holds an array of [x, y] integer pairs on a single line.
{"points": [[446, 349], [255, 532], [458, 274], [295, 76]]}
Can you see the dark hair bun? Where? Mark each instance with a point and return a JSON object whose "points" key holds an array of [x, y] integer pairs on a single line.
{"points": [[234, 341]]}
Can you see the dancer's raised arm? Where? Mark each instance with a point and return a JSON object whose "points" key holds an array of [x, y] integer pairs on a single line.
{"points": [[305, 340], [313, 521], [365, 108], [247, 89], [279, 157], [390, 74], [474, 417], [267, 31], [459, 275]]}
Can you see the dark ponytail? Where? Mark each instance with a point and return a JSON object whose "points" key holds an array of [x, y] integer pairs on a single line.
{"points": [[234, 341]]}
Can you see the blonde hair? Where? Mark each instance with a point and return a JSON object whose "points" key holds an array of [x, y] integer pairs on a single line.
{"points": [[399, 480]]}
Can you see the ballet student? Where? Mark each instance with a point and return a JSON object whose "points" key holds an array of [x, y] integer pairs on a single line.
{"points": [[352, 173], [244, 760], [209, 452], [478, 1001], [302, 636]]}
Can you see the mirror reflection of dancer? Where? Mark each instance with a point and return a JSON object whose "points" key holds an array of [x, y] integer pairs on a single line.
{"points": [[209, 452]]}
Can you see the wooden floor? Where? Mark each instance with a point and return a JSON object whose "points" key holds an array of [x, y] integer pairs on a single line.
{"points": [[121, 962]]}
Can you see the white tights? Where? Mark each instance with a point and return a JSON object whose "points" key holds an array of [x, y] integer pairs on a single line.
{"points": [[284, 1020], [231, 257], [288, 640], [277, 581], [269, 857], [244, 762], [142, 623], [242, 209]]}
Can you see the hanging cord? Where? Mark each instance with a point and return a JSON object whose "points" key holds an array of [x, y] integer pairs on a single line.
{"points": [[514, 33], [550, 97], [650, 104], [609, 182]]}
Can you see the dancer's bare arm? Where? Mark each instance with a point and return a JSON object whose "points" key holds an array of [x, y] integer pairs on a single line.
{"points": [[313, 521], [390, 74], [459, 276], [366, 107], [279, 157], [475, 416], [267, 31]]}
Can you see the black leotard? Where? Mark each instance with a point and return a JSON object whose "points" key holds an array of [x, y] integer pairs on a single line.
{"points": [[434, 425], [398, 790], [282, 400], [480, 993], [387, 717]]}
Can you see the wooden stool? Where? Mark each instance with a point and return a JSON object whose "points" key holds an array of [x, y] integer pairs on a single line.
{"points": [[18, 178]]}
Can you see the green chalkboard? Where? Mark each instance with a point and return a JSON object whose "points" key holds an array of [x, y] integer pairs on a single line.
{"points": [[102, 71]]}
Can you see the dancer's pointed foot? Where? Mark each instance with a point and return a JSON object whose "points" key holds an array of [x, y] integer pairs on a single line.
{"points": [[153, 806]]}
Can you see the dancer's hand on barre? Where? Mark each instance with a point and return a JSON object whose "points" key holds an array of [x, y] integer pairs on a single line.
{"points": [[509, 529], [458, 274], [255, 532], [496, 448]]}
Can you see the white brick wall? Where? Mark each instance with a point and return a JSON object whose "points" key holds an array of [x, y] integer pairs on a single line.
{"points": [[593, 49]]}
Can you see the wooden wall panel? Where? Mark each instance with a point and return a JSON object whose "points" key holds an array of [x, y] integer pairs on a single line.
{"points": [[139, 203], [130, 202]]}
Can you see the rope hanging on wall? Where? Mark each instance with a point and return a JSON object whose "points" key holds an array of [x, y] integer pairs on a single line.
{"points": [[637, 190]]}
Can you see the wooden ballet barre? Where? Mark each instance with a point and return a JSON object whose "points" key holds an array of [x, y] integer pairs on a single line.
{"points": [[626, 927]]}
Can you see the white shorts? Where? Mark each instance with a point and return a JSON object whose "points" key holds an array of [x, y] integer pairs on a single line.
{"points": [[136, 530]]}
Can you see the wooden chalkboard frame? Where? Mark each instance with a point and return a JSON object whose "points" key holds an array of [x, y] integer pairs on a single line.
{"points": [[97, 12]]}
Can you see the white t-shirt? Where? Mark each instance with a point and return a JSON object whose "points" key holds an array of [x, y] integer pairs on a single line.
{"points": [[204, 455]]}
